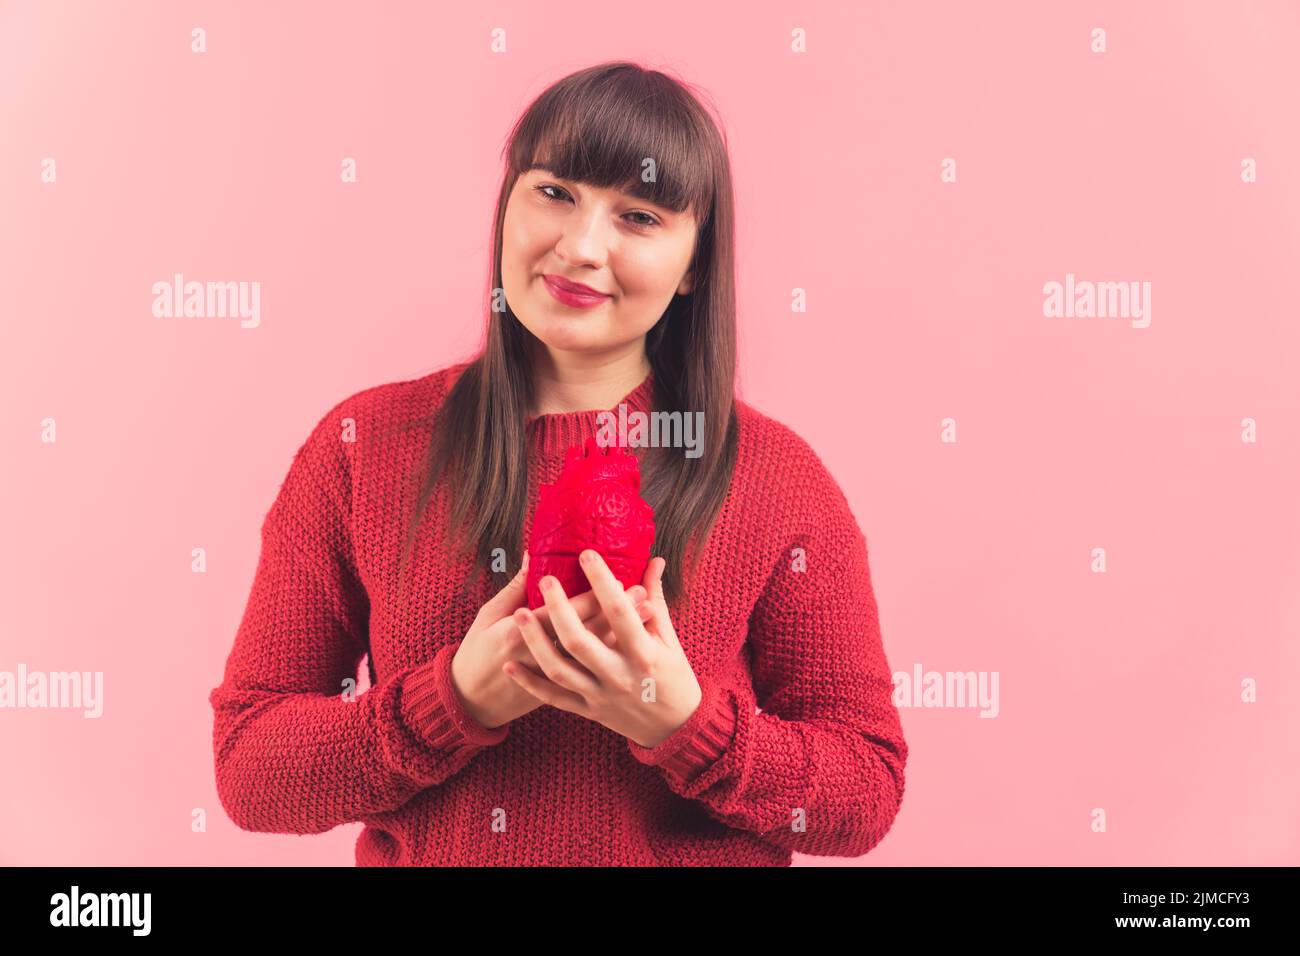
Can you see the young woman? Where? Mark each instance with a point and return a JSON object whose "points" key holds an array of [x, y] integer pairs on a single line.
{"points": [[492, 735]]}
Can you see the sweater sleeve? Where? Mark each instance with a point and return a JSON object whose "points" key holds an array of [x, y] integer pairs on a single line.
{"points": [[820, 769], [296, 749]]}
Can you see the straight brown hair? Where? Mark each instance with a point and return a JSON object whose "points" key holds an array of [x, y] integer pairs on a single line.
{"points": [[597, 127]]}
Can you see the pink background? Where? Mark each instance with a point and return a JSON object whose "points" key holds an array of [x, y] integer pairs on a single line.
{"points": [[1119, 691]]}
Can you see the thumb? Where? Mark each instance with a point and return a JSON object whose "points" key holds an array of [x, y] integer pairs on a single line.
{"points": [[659, 608], [509, 597], [657, 580]]}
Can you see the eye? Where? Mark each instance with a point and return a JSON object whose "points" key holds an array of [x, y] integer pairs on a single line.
{"points": [[653, 221], [545, 186], [541, 189]]}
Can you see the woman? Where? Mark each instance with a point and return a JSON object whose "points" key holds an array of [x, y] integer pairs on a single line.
{"points": [[492, 735]]}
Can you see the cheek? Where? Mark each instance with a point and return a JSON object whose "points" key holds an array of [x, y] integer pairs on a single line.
{"points": [[524, 235], [515, 242], [651, 272]]}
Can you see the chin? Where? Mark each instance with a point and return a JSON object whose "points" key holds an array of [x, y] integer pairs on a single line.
{"points": [[571, 341], [571, 331]]}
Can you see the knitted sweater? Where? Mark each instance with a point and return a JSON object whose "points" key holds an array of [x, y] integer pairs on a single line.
{"points": [[795, 746]]}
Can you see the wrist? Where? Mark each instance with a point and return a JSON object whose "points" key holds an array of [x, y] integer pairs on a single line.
{"points": [[682, 719], [467, 696], [704, 738]]}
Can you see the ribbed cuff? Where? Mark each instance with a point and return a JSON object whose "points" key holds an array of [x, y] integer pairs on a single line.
{"points": [[700, 741], [432, 708]]}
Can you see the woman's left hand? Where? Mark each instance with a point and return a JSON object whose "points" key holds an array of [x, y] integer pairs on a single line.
{"points": [[640, 684]]}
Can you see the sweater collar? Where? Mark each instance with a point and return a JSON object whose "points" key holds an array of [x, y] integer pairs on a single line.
{"points": [[558, 431]]}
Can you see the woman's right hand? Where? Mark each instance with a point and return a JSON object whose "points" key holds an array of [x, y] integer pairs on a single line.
{"points": [[489, 695]]}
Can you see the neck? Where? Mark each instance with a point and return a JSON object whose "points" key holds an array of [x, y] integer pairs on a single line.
{"points": [[572, 382]]}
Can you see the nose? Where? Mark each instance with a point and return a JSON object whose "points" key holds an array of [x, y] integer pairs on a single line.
{"points": [[584, 239]]}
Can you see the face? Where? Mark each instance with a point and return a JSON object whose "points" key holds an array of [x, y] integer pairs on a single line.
{"points": [[634, 252]]}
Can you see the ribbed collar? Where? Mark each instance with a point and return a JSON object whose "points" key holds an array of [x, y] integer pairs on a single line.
{"points": [[555, 433]]}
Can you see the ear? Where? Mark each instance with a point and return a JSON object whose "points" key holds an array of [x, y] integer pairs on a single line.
{"points": [[687, 284]]}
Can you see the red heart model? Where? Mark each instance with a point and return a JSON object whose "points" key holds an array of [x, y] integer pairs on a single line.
{"points": [[595, 503]]}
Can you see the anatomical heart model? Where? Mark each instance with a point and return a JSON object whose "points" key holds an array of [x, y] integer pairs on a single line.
{"points": [[596, 503]]}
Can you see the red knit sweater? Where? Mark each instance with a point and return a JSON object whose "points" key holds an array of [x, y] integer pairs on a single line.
{"points": [[817, 770]]}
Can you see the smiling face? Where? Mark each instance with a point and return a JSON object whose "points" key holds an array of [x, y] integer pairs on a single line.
{"points": [[637, 253]]}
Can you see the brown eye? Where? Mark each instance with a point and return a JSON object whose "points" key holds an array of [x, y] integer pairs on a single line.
{"points": [[545, 186], [542, 187]]}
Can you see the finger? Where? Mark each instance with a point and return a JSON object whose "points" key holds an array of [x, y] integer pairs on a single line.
{"points": [[553, 664], [619, 610], [593, 618], [654, 578], [507, 599], [588, 608], [656, 588], [586, 604], [585, 646], [599, 625], [544, 690], [661, 622]]}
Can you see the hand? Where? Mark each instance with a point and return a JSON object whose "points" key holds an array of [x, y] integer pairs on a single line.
{"points": [[488, 695], [640, 685]]}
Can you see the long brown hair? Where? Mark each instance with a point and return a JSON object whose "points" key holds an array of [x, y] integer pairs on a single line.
{"points": [[597, 127]]}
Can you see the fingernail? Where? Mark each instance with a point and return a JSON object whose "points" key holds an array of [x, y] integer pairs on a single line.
{"points": [[546, 583], [585, 557], [521, 616]]}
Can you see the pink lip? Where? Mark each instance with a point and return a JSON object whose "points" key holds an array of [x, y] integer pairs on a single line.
{"points": [[573, 293]]}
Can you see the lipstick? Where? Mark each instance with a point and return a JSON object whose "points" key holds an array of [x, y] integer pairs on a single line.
{"points": [[573, 294]]}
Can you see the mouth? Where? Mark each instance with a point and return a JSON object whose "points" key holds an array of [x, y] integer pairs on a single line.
{"points": [[574, 294]]}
